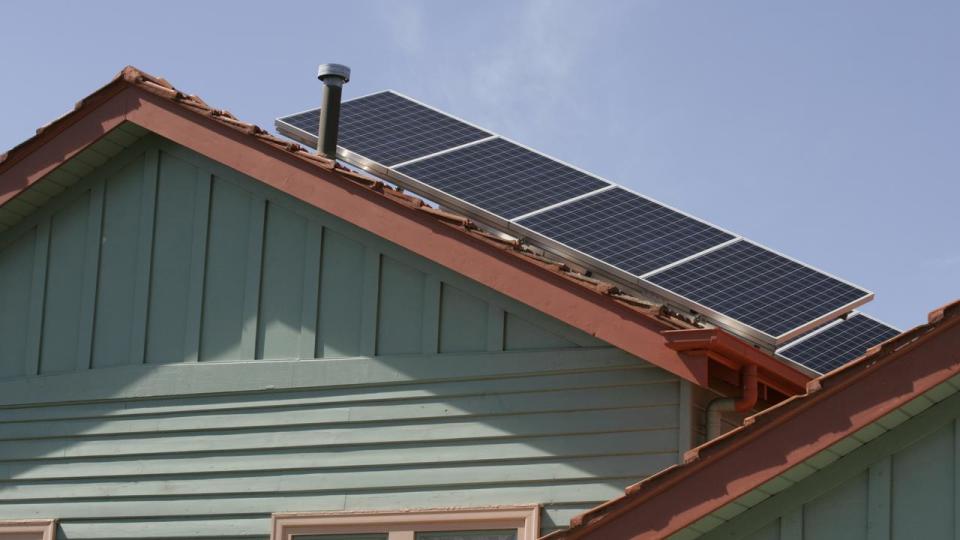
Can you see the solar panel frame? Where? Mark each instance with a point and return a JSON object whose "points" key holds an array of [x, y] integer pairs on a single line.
{"points": [[746, 329], [391, 174], [294, 132], [520, 181], [403, 149], [608, 232], [602, 267], [303, 136], [880, 332], [473, 210]]}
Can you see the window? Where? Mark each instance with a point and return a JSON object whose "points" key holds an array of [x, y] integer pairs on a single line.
{"points": [[30, 529], [495, 523]]}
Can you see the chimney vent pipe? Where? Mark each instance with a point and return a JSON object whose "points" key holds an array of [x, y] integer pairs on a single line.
{"points": [[333, 76]]}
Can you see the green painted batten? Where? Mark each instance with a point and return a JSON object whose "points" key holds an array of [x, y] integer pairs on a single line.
{"points": [[923, 484], [839, 514], [60, 341], [180, 224], [16, 270], [235, 218], [523, 335], [185, 351], [282, 294], [341, 289], [120, 238], [463, 321], [401, 312]]}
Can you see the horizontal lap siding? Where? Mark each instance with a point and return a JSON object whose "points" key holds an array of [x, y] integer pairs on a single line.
{"points": [[567, 439]]}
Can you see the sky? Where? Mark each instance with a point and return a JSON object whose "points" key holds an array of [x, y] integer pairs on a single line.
{"points": [[828, 130]]}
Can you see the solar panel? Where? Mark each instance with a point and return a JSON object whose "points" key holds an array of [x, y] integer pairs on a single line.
{"points": [[735, 283], [759, 288], [833, 346], [502, 177], [390, 129], [626, 230]]}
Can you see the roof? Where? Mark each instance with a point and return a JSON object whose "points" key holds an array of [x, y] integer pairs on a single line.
{"points": [[596, 307], [834, 406]]}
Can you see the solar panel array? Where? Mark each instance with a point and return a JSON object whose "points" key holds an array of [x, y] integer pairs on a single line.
{"points": [[739, 284], [834, 345]]}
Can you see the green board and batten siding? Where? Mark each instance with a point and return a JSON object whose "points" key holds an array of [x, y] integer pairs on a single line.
{"points": [[896, 479], [184, 351]]}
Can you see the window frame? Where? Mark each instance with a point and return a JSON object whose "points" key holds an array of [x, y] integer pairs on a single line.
{"points": [[43, 529], [404, 524]]}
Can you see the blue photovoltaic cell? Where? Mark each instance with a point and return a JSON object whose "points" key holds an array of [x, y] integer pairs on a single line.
{"points": [[757, 287], [835, 346], [626, 230], [390, 129], [503, 178]]}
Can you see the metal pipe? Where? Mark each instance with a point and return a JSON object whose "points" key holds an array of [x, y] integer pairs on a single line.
{"points": [[746, 401], [333, 76], [715, 411]]}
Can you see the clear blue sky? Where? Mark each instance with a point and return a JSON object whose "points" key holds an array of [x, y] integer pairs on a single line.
{"points": [[828, 130]]}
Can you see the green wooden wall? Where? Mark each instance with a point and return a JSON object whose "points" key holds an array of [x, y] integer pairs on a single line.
{"points": [[903, 483], [184, 351], [162, 257]]}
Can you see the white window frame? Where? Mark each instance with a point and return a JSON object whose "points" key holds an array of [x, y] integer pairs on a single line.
{"points": [[41, 529], [404, 524]]}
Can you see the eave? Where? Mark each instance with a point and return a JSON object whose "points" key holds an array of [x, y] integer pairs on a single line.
{"points": [[723, 350]]}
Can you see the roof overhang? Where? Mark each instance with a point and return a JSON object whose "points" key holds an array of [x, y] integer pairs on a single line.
{"points": [[723, 350]]}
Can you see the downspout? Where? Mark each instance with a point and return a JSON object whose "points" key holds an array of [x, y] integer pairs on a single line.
{"points": [[746, 401]]}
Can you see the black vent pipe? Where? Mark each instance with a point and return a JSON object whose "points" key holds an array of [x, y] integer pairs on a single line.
{"points": [[333, 76]]}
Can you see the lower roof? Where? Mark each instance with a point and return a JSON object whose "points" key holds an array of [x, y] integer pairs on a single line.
{"points": [[725, 472]]}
